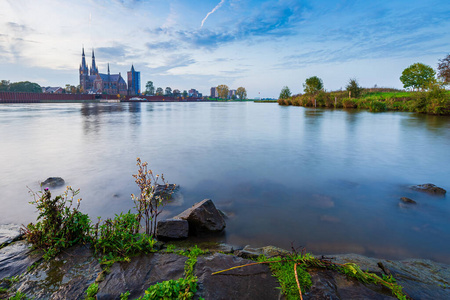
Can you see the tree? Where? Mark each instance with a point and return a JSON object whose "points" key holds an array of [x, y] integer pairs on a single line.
{"points": [[241, 93], [25, 86], [353, 88], [444, 69], [4, 85], [417, 76], [222, 91], [185, 94], [313, 85], [149, 88], [285, 93], [159, 91], [168, 91], [176, 93]]}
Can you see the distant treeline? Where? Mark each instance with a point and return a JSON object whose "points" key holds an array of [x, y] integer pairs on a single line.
{"points": [[433, 101], [22, 86]]}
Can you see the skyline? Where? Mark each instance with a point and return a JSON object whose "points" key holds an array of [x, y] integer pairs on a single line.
{"points": [[260, 45]]}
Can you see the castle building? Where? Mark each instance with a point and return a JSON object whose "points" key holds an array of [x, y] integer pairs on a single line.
{"points": [[91, 81], [134, 82]]}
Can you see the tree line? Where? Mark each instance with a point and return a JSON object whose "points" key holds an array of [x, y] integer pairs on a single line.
{"points": [[425, 92], [22, 86]]}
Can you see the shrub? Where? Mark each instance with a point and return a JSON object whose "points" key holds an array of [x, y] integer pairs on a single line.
{"points": [[377, 106], [60, 225], [349, 103]]}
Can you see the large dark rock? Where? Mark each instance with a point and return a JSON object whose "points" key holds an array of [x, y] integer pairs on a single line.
{"points": [[16, 258], [172, 229], [420, 278], [327, 284], [429, 188], [139, 274], [67, 276], [53, 182], [9, 233], [203, 218], [252, 282]]}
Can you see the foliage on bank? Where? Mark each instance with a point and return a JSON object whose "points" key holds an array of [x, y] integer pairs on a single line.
{"points": [[434, 101]]}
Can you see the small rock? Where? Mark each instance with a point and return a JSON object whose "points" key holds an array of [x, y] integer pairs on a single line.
{"points": [[165, 190], [203, 218], [408, 200], [53, 182], [429, 188], [172, 229]]}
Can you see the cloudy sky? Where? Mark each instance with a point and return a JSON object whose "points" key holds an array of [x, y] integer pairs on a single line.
{"points": [[261, 45]]}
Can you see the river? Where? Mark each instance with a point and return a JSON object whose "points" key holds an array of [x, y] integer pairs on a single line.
{"points": [[327, 180]]}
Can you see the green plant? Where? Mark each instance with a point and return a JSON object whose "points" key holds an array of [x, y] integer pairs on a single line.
{"points": [[59, 224], [349, 103], [124, 296], [18, 296], [148, 203], [283, 270], [92, 291], [353, 88], [417, 76], [285, 93], [377, 106], [3, 290], [116, 239]]}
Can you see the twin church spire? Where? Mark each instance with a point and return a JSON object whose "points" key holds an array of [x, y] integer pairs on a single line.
{"points": [[84, 68]]}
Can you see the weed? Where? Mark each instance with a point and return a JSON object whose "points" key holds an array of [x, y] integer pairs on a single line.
{"points": [[3, 290], [18, 296], [124, 296], [59, 224], [148, 202], [92, 291]]}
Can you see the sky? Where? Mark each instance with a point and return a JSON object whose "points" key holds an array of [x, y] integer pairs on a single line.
{"points": [[259, 45]]}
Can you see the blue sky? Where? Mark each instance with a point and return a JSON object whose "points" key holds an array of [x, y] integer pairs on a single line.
{"points": [[260, 45]]}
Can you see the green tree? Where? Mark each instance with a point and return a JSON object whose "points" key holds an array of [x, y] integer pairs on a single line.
{"points": [[4, 85], [353, 88], [222, 91], [149, 88], [241, 93], [313, 85], [185, 93], [444, 69], [285, 93], [159, 91], [25, 86], [168, 91], [417, 76]]}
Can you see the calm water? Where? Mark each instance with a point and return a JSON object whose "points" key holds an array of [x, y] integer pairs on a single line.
{"points": [[329, 180]]}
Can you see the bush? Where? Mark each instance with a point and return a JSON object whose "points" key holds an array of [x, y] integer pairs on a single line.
{"points": [[60, 225], [349, 103], [377, 106]]}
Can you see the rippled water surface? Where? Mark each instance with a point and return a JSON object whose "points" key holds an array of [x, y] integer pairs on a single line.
{"points": [[329, 180]]}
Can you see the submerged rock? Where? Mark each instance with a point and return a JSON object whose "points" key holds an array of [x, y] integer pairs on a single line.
{"points": [[172, 229], [53, 182], [429, 188], [203, 218], [408, 200]]}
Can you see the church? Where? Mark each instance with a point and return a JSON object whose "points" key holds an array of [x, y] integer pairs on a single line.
{"points": [[91, 81]]}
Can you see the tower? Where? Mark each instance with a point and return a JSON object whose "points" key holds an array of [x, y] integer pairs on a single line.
{"points": [[94, 69], [134, 81], [84, 72]]}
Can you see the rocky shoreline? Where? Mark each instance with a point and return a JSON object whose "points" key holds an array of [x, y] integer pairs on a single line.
{"points": [[70, 273]]}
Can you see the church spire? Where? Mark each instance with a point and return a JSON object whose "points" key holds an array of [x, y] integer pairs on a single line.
{"points": [[94, 69]]}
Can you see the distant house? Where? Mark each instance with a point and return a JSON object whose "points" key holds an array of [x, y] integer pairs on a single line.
{"points": [[232, 94], [52, 90], [194, 93]]}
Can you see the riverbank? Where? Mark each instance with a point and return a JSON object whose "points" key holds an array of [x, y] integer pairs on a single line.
{"points": [[76, 273], [435, 101]]}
